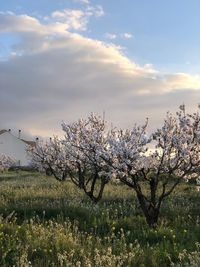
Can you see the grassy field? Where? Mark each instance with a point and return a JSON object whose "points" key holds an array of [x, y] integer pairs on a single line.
{"points": [[47, 223]]}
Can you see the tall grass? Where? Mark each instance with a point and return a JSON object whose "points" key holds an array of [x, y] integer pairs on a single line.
{"points": [[47, 223]]}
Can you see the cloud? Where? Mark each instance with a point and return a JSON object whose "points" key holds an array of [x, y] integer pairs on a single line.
{"points": [[23, 23], [97, 11], [87, 2], [74, 19], [113, 36], [54, 75], [127, 35]]}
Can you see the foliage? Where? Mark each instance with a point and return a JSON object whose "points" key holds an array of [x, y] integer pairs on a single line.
{"points": [[176, 155], [86, 142], [6, 162], [188, 259], [47, 223], [49, 156]]}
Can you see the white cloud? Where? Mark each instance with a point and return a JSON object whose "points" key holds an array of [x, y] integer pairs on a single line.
{"points": [[127, 35], [96, 11], [61, 75], [23, 23], [113, 36], [87, 2], [76, 19], [58, 21]]}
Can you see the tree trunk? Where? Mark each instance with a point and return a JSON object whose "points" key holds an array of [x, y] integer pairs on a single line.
{"points": [[152, 217], [151, 212]]}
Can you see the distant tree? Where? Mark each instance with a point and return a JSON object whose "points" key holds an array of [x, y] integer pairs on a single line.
{"points": [[153, 173], [6, 162]]}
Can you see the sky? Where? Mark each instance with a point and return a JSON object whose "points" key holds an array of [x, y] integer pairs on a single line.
{"points": [[63, 59]]}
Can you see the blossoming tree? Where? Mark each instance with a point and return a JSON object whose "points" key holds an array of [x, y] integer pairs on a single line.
{"points": [[49, 156], [86, 142], [176, 155], [78, 156], [6, 162]]}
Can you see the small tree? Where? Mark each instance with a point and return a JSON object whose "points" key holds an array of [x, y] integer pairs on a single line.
{"points": [[50, 157], [176, 155], [78, 156], [6, 162], [86, 142]]}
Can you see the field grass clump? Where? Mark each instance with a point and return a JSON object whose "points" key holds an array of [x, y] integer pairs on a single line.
{"points": [[47, 223]]}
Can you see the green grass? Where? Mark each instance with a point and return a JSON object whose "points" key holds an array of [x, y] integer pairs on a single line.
{"points": [[47, 223]]}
